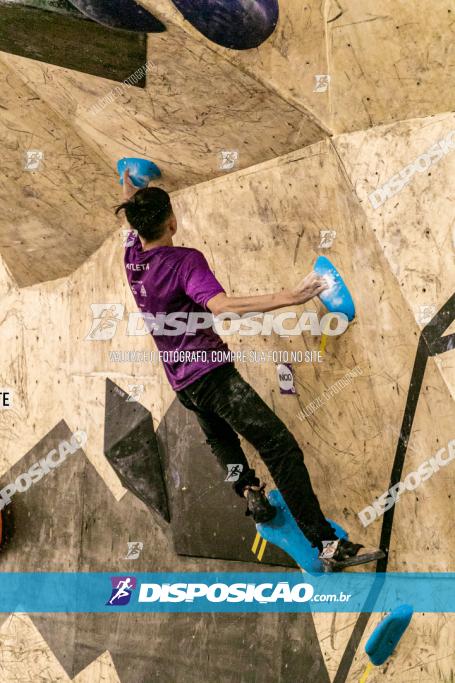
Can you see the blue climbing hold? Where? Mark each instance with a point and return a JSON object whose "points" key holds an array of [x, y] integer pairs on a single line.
{"points": [[337, 298], [235, 24], [283, 531], [141, 171], [386, 635]]}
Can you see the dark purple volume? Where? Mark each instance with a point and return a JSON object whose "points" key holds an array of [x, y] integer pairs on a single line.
{"points": [[125, 14], [236, 24]]}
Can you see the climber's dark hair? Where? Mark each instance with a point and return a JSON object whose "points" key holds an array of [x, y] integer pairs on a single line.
{"points": [[147, 212]]}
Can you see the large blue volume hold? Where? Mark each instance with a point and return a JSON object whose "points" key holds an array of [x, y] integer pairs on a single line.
{"points": [[337, 298], [386, 635], [283, 531], [236, 24]]}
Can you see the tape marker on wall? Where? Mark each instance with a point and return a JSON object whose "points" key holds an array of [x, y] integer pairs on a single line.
{"points": [[285, 378]]}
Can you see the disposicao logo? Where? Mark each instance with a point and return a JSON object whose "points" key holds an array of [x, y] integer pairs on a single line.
{"points": [[122, 587], [221, 592]]}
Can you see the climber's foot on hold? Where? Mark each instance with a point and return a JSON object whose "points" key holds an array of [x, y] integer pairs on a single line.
{"points": [[258, 504], [341, 553]]}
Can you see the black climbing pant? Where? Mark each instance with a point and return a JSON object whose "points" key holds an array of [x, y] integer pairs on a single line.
{"points": [[225, 406]]}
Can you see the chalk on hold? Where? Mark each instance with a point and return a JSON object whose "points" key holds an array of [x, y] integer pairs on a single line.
{"points": [[337, 298], [283, 531], [141, 171], [386, 635]]}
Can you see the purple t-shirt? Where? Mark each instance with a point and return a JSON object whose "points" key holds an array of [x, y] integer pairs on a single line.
{"points": [[176, 280]]}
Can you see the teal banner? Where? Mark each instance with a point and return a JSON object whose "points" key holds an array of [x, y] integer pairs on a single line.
{"points": [[225, 592]]}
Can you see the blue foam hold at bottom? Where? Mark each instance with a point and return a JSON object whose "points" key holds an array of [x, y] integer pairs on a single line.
{"points": [[337, 298], [283, 531], [386, 635]]}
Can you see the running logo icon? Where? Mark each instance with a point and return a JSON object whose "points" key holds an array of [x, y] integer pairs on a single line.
{"points": [[122, 587], [105, 321], [234, 472]]}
